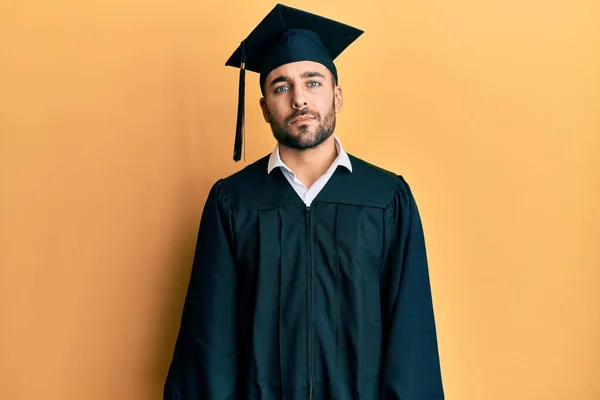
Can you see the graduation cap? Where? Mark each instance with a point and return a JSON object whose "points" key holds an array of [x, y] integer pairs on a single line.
{"points": [[284, 36]]}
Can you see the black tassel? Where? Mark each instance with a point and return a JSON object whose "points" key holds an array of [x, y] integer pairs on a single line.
{"points": [[239, 130]]}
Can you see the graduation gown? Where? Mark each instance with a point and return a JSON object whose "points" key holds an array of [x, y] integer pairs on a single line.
{"points": [[285, 301]]}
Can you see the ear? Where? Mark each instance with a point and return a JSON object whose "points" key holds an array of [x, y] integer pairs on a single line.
{"points": [[338, 98], [265, 110]]}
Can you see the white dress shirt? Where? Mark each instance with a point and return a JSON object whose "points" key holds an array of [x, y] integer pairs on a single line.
{"points": [[308, 194]]}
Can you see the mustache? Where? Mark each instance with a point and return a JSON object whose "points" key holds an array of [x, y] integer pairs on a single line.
{"points": [[302, 113]]}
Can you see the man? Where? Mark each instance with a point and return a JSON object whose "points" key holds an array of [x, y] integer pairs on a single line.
{"points": [[310, 278]]}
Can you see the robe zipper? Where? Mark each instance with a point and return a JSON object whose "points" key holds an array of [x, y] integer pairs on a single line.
{"points": [[310, 311]]}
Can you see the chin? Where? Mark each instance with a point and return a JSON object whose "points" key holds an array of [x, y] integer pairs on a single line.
{"points": [[301, 137], [306, 136]]}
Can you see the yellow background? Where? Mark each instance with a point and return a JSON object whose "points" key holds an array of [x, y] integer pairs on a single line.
{"points": [[116, 117]]}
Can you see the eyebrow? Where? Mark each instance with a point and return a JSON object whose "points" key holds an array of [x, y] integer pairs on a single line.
{"points": [[279, 79], [304, 75], [312, 74]]}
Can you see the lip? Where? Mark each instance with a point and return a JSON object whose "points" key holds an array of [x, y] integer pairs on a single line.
{"points": [[302, 119]]}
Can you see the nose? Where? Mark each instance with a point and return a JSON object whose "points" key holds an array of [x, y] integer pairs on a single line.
{"points": [[298, 100]]}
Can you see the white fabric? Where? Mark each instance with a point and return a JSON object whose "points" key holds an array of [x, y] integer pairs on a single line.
{"points": [[308, 194]]}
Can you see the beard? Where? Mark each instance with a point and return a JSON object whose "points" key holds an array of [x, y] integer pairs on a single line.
{"points": [[307, 138]]}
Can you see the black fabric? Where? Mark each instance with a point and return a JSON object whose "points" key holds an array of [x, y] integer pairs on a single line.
{"points": [[331, 301]]}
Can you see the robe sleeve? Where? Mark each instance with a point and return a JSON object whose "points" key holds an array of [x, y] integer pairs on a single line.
{"points": [[411, 366], [203, 366]]}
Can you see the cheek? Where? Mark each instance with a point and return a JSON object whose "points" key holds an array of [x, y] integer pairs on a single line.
{"points": [[275, 110], [323, 103]]}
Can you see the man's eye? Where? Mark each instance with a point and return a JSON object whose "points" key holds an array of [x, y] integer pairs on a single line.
{"points": [[314, 83], [281, 89]]}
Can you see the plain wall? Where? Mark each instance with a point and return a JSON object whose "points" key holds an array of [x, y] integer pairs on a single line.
{"points": [[116, 117]]}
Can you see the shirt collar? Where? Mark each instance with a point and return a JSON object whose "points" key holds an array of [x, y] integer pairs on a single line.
{"points": [[342, 158]]}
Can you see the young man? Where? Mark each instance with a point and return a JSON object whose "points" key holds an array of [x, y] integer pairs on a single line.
{"points": [[310, 278]]}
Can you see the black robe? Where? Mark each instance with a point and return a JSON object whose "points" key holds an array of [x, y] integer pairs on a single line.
{"points": [[285, 301]]}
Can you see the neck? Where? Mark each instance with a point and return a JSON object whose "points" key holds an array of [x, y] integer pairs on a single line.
{"points": [[309, 165]]}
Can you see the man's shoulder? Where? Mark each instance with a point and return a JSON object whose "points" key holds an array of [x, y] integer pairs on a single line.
{"points": [[244, 185], [380, 186], [249, 173], [368, 171]]}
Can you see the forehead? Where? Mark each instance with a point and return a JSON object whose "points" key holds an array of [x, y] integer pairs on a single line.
{"points": [[295, 69]]}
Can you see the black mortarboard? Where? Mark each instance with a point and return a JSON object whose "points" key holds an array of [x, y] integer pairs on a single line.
{"points": [[287, 35]]}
